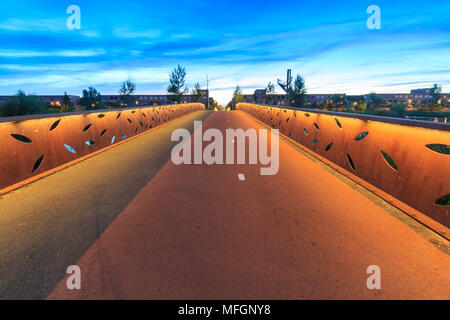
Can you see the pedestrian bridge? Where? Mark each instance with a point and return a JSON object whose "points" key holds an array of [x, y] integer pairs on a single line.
{"points": [[98, 190]]}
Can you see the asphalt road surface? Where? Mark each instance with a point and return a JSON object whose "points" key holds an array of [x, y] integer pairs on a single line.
{"points": [[139, 226]]}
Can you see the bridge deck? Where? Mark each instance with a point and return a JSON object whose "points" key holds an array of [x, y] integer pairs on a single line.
{"points": [[141, 227]]}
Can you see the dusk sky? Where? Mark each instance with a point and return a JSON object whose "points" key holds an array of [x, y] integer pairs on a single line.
{"points": [[235, 42]]}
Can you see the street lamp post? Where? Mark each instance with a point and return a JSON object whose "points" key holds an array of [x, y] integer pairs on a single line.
{"points": [[207, 92]]}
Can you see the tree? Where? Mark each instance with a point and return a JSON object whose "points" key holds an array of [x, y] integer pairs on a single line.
{"points": [[91, 99], [360, 104], [270, 88], [176, 88], [126, 91], [298, 92], [22, 104], [374, 101], [435, 93], [237, 96], [67, 104], [197, 94]]}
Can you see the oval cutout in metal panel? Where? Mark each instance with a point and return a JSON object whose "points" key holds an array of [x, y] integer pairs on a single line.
{"points": [[21, 138], [361, 136], [389, 160], [37, 164], [69, 148], [443, 201], [54, 125], [439, 148]]}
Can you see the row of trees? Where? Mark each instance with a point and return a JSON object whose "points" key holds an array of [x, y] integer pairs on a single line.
{"points": [[23, 104], [297, 93], [176, 90]]}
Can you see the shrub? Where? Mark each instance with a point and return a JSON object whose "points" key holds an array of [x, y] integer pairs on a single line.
{"points": [[22, 104], [399, 109]]}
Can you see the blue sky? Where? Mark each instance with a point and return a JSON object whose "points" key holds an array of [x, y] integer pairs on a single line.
{"points": [[235, 42]]}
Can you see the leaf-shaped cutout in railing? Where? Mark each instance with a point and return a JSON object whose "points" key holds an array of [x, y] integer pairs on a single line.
{"points": [[129, 120], [118, 116], [124, 136], [329, 146], [306, 132], [338, 123], [37, 163], [21, 138], [54, 125], [69, 148], [87, 127], [101, 115], [90, 142], [307, 115], [361, 136], [112, 140], [439, 148], [315, 142], [287, 119], [389, 160], [443, 201], [350, 162], [317, 126], [103, 132]]}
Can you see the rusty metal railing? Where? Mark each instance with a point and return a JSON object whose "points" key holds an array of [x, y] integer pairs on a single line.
{"points": [[407, 162], [33, 145]]}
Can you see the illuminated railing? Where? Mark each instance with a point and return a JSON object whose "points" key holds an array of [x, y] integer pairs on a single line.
{"points": [[407, 162], [32, 145]]}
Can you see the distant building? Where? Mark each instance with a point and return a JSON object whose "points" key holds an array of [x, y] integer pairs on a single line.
{"points": [[114, 100], [51, 101], [417, 97], [153, 99]]}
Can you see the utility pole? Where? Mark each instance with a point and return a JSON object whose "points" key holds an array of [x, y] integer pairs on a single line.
{"points": [[207, 92]]}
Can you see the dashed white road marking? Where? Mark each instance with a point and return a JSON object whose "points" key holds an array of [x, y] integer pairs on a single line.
{"points": [[241, 177]]}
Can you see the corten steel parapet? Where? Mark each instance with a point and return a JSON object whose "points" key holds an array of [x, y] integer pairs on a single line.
{"points": [[33, 145], [407, 161]]}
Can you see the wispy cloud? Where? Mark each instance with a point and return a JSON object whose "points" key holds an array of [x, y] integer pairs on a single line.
{"points": [[33, 25], [234, 42], [131, 34], [61, 53]]}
